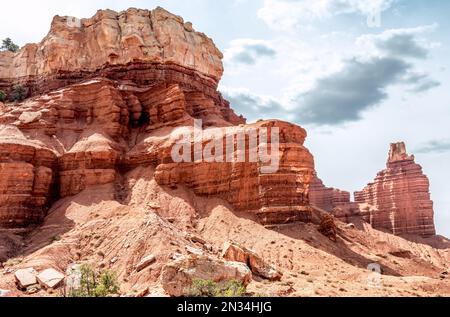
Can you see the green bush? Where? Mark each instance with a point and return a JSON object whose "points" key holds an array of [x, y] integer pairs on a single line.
{"points": [[9, 45], [2, 96], [93, 284], [207, 288], [19, 93]]}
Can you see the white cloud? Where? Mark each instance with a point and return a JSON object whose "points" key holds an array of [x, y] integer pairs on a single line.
{"points": [[288, 14]]}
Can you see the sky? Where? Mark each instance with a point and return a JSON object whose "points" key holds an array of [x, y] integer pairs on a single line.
{"points": [[357, 74]]}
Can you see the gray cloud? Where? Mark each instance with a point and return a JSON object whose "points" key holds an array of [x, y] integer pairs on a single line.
{"points": [[434, 146], [425, 86], [362, 83], [343, 96], [254, 107], [248, 52], [402, 45], [420, 82]]}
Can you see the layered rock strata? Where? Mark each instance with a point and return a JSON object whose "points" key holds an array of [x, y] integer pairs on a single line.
{"points": [[74, 48], [118, 91], [400, 196], [327, 198]]}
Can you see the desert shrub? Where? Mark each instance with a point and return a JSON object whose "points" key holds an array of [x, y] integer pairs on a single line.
{"points": [[18, 93], [207, 288], [108, 285], [93, 284], [233, 289], [9, 45], [2, 96]]}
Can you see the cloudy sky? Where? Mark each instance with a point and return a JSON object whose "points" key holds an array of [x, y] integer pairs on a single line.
{"points": [[355, 79]]}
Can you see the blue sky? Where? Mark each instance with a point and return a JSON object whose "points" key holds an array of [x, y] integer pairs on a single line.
{"points": [[355, 88]]}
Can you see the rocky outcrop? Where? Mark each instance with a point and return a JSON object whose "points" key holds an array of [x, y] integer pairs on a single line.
{"points": [[399, 196], [25, 278], [259, 267], [109, 39], [50, 279], [277, 197], [118, 91], [327, 198], [178, 276], [26, 169]]}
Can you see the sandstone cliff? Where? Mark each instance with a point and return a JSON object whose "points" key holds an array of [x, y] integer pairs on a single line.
{"points": [[327, 198], [75, 47], [398, 200], [400, 196], [87, 159], [116, 92]]}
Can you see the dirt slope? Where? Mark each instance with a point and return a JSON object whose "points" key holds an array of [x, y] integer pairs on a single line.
{"points": [[94, 227]]}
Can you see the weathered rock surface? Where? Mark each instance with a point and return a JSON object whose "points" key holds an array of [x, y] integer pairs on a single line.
{"points": [[103, 131], [145, 262], [25, 278], [328, 227], [112, 38], [107, 111], [278, 197], [177, 277], [237, 253], [399, 196], [26, 169], [50, 278], [326, 198]]}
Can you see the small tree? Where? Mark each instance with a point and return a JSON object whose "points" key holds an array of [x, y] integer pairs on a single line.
{"points": [[93, 284], [9, 45], [2, 96], [18, 93]]}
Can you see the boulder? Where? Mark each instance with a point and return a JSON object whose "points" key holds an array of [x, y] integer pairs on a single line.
{"points": [[328, 227], [177, 276], [145, 262], [25, 278], [195, 251], [235, 252], [50, 279], [30, 117]]}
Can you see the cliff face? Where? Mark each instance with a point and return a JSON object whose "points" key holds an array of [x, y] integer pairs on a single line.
{"points": [[114, 93], [400, 196], [118, 91], [111, 38], [327, 198]]}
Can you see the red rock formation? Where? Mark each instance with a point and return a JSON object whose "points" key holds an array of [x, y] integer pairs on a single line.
{"points": [[327, 198], [279, 197], [110, 38], [400, 196], [115, 92], [25, 179]]}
